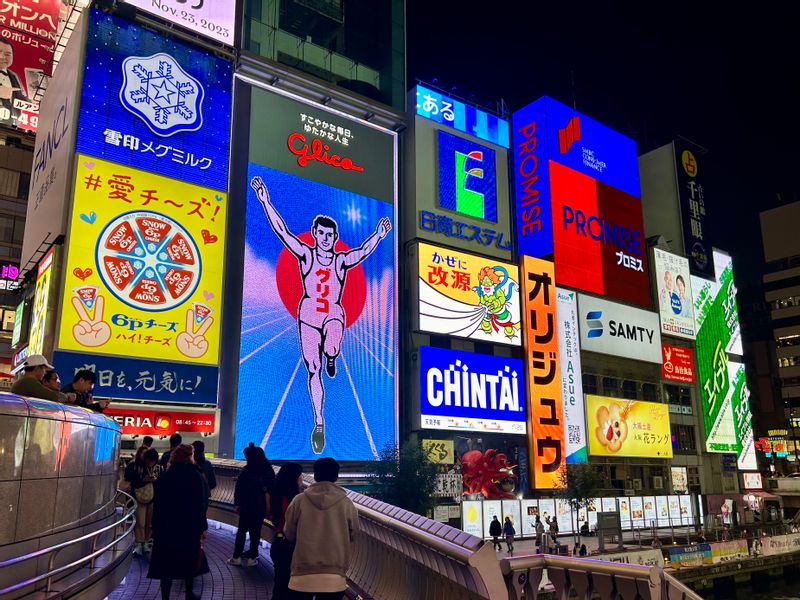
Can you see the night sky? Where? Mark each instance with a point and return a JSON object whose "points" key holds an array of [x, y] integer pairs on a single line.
{"points": [[725, 79]]}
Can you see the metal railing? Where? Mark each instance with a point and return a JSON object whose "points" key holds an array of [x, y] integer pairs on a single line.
{"points": [[122, 533]]}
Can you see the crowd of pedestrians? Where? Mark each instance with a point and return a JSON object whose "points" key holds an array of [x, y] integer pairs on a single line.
{"points": [[38, 379], [313, 529]]}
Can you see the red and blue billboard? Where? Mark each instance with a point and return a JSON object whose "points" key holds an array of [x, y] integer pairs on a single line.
{"points": [[547, 132]]}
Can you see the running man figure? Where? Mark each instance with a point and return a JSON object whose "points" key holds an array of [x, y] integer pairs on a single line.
{"points": [[320, 317]]}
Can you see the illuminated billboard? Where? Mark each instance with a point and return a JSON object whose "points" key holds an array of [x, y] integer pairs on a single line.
{"points": [[715, 306], [468, 296], [599, 243], [318, 308], [619, 330], [674, 289], [542, 373], [28, 32], [692, 198], [678, 364], [41, 304], [571, 376], [547, 132], [629, 428], [215, 19], [466, 118], [155, 103], [471, 392], [467, 179]]}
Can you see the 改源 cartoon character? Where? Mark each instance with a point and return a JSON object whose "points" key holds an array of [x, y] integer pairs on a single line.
{"points": [[493, 298]]}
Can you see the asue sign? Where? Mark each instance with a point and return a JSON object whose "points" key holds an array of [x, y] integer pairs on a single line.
{"points": [[619, 330], [471, 392]]}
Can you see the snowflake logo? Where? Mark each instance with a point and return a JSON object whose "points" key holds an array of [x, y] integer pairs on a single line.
{"points": [[158, 91]]}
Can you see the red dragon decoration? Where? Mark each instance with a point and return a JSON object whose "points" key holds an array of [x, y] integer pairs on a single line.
{"points": [[483, 473]]}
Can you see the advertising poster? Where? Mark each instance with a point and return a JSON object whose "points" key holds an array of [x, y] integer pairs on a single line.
{"points": [[215, 19], [142, 380], [546, 133], [628, 428], [687, 511], [566, 517], [753, 481], [692, 197], [609, 504], [511, 508], [472, 516], [662, 509], [547, 510], [143, 276], [530, 510], [674, 288], [27, 43], [571, 377], [471, 392], [444, 110], [650, 510], [543, 379], [155, 103], [619, 330], [134, 421], [41, 303], [16, 335], [674, 509], [678, 363], [625, 512], [320, 229], [637, 512], [51, 175], [440, 452], [467, 296], [679, 480], [491, 508]]}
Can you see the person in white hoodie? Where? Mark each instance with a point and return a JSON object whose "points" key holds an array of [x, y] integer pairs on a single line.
{"points": [[323, 523]]}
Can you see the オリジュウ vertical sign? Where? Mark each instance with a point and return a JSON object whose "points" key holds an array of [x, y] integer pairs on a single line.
{"points": [[543, 380]]}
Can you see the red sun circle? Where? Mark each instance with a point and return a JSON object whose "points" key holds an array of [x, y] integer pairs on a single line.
{"points": [[290, 284]]}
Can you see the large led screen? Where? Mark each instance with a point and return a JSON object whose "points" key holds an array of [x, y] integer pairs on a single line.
{"points": [[599, 241], [215, 19], [468, 296], [471, 392], [318, 333], [155, 103], [628, 428]]}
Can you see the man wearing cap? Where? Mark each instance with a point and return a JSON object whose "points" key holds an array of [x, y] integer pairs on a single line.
{"points": [[30, 384]]}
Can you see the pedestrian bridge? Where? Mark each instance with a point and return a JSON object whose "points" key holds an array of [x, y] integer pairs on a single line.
{"points": [[399, 555]]}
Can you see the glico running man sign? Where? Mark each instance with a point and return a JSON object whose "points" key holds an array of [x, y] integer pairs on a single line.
{"points": [[318, 318]]}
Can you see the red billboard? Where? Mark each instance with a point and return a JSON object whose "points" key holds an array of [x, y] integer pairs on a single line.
{"points": [[677, 363], [27, 41], [598, 237], [150, 421]]}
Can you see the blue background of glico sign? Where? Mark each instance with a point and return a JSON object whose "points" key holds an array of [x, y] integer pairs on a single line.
{"points": [[615, 149], [441, 359], [110, 41]]}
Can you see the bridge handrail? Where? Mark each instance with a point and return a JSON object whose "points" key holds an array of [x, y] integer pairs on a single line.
{"points": [[130, 514]]}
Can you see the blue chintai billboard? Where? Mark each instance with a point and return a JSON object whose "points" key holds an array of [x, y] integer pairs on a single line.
{"points": [[464, 391], [318, 331]]}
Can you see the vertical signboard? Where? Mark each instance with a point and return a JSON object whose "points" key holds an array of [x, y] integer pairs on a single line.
{"points": [[215, 19], [41, 304], [155, 103], [571, 376], [674, 289], [468, 296], [543, 379], [691, 195], [320, 227], [27, 43]]}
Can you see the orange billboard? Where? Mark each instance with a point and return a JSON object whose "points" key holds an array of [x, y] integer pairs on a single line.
{"points": [[542, 373]]}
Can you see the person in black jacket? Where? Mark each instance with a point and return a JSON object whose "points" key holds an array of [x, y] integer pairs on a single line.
{"points": [[175, 440], [496, 530], [251, 499], [206, 469], [179, 524], [288, 484]]}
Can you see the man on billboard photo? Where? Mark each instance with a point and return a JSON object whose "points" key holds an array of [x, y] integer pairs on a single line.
{"points": [[11, 88], [320, 317]]}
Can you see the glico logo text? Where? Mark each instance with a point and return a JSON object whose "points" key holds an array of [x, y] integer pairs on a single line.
{"points": [[600, 230]]}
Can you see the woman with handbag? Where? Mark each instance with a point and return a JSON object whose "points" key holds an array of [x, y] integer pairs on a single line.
{"points": [[179, 524], [288, 484], [141, 473]]}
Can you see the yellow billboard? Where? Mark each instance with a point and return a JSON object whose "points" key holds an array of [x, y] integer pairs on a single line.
{"points": [[143, 275], [440, 452], [41, 304], [628, 428]]}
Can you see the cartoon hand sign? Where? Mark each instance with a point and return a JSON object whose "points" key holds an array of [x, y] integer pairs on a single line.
{"points": [[384, 227], [193, 343], [90, 332]]}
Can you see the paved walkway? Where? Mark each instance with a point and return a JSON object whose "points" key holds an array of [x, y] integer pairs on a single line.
{"points": [[224, 581]]}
